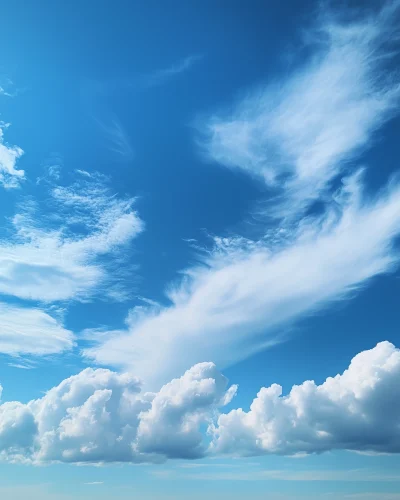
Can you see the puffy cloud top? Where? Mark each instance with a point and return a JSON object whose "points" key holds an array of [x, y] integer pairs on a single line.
{"points": [[102, 416], [358, 410]]}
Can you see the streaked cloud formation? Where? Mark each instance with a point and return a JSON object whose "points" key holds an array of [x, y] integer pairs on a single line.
{"points": [[298, 135], [231, 307], [298, 139], [56, 256], [59, 256], [25, 330], [163, 75], [101, 416], [117, 138]]}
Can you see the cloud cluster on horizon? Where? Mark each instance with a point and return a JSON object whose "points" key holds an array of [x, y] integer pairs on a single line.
{"points": [[101, 416]]}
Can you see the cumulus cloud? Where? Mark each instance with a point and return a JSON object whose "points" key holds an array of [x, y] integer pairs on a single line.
{"points": [[358, 410], [102, 416], [172, 423], [10, 175], [58, 254], [247, 291], [31, 331], [297, 135]]}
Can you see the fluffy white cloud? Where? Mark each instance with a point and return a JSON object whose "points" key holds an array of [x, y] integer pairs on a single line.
{"points": [[57, 255], [17, 429], [31, 331], [101, 416], [171, 427], [358, 410], [10, 175], [234, 305], [298, 134], [89, 417]]}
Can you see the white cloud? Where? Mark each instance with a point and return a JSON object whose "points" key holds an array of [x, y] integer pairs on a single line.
{"points": [[163, 75], [90, 417], [10, 175], [17, 427], [348, 475], [117, 138], [234, 305], [358, 410], [31, 331], [248, 291], [171, 426], [59, 254], [101, 416], [4, 92], [298, 135], [7, 88]]}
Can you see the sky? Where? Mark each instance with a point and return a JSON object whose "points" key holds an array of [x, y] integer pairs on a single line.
{"points": [[199, 250]]}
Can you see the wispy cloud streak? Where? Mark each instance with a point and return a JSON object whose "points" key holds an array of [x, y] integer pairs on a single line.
{"points": [[163, 75], [60, 255], [300, 134], [245, 292], [117, 138]]}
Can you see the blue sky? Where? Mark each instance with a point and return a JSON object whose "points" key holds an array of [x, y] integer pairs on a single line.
{"points": [[199, 250]]}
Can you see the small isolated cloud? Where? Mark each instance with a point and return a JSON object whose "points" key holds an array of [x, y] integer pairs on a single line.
{"points": [[7, 88], [52, 169], [101, 416], [95, 483], [4, 92], [20, 366], [162, 76], [10, 175], [117, 138]]}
